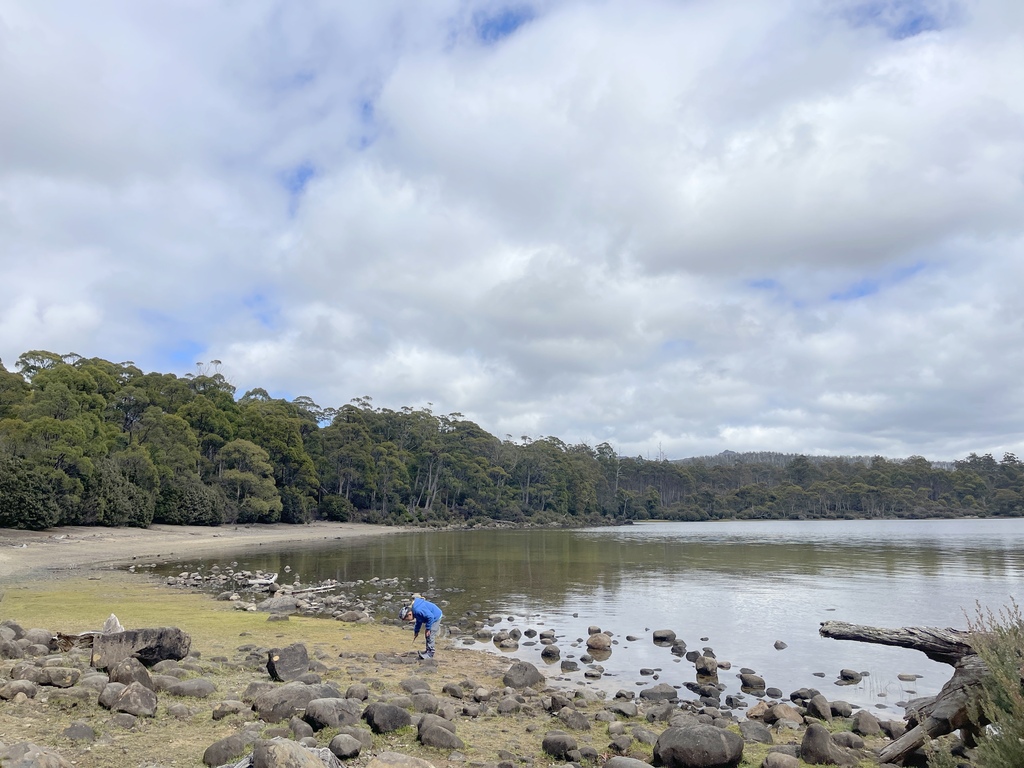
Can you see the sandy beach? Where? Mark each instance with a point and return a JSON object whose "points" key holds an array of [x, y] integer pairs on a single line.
{"points": [[67, 551]]}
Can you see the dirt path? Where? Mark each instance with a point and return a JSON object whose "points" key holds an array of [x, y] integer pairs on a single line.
{"points": [[67, 551]]}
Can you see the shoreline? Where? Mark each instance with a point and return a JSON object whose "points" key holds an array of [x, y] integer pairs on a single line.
{"points": [[66, 551]]}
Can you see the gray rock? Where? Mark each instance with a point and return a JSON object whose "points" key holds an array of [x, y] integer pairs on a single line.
{"points": [[866, 724], [60, 677], [699, 746], [521, 675], [345, 747], [558, 744], [9, 690], [147, 645], [288, 663], [79, 731], [229, 707], [755, 732], [229, 748], [284, 753], [196, 688], [281, 702], [818, 707], [439, 737], [817, 748], [574, 719], [384, 718], [660, 692], [25, 754], [332, 713], [625, 762], [130, 670], [136, 699], [780, 760]]}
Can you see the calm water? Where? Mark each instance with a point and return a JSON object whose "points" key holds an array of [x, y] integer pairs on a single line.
{"points": [[741, 585]]}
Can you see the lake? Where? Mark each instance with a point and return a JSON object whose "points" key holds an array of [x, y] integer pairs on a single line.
{"points": [[736, 587]]}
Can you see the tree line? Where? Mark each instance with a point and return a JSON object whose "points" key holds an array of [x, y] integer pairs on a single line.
{"points": [[85, 441]]}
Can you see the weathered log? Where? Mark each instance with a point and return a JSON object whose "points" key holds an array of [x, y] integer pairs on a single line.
{"points": [[934, 716], [947, 646]]}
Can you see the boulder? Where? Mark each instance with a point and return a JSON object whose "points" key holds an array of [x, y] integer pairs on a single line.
{"points": [[559, 744], [439, 737], [196, 688], [522, 674], [699, 746], [397, 760], [332, 713], [59, 677], [817, 748], [285, 753], [136, 699], [866, 724], [149, 646], [625, 762], [574, 719], [230, 747], [130, 670], [288, 663], [599, 642], [664, 637], [819, 708], [345, 747], [384, 718], [24, 754], [281, 702], [660, 692]]}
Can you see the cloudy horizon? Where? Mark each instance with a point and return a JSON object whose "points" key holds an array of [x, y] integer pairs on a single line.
{"points": [[676, 226]]}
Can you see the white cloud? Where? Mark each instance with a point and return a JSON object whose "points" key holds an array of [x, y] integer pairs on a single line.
{"points": [[676, 227]]}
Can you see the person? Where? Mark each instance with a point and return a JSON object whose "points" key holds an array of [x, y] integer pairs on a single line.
{"points": [[426, 615]]}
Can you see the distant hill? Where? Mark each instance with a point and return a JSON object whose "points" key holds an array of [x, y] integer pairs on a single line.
{"points": [[776, 459]]}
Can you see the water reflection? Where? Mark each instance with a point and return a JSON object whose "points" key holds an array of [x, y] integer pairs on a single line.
{"points": [[742, 585]]}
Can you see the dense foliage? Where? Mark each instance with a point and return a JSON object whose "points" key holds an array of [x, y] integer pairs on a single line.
{"points": [[84, 441]]}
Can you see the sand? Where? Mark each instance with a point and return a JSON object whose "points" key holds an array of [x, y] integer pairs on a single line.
{"points": [[68, 551]]}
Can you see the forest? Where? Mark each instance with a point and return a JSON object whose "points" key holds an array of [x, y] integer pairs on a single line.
{"points": [[84, 441]]}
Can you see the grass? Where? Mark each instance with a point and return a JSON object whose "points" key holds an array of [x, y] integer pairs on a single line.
{"points": [[217, 631]]}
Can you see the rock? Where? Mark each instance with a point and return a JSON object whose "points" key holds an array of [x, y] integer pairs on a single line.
{"points": [[660, 692], [558, 744], [440, 737], [59, 677], [699, 746], [196, 688], [147, 645], [362, 735], [43, 637], [283, 604], [355, 617], [384, 718], [79, 731], [284, 753], [229, 707], [624, 708], [780, 760], [842, 709], [229, 748], [664, 637], [357, 691], [136, 699], [345, 747], [625, 762], [706, 666], [818, 707], [523, 674], [599, 642], [551, 652], [26, 688], [848, 740], [130, 670], [24, 754], [109, 694], [780, 646], [817, 748], [397, 760], [751, 682], [783, 713], [332, 713], [866, 724], [574, 719], [288, 663], [848, 677], [757, 733], [281, 702]]}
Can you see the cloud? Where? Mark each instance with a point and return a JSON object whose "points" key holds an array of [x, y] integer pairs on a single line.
{"points": [[677, 227]]}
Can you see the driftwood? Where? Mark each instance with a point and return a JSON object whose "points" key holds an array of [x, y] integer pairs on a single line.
{"points": [[933, 716]]}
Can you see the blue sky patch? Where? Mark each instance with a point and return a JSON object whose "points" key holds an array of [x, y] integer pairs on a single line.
{"points": [[901, 18], [496, 25], [294, 180], [183, 353], [264, 310], [869, 286]]}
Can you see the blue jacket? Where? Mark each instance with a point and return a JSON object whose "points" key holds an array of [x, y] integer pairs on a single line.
{"points": [[425, 612]]}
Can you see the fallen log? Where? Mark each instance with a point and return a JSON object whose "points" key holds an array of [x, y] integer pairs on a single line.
{"points": [[929, 717]]}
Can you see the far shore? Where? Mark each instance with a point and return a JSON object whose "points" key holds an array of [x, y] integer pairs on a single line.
{"points": [[67, 551]]}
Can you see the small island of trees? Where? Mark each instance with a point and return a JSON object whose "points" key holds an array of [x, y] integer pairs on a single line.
{"points": [[84, 441]]}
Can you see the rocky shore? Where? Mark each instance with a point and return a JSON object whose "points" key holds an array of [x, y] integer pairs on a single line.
{"points": [[324, 675]]}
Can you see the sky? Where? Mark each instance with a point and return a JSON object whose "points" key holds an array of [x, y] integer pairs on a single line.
{"points": [[675, 226]]}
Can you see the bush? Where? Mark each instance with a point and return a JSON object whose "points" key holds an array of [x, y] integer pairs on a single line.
{"points": [[999, 641]]}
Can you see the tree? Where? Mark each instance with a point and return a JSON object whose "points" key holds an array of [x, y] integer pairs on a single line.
{"points": [[247, 477]]}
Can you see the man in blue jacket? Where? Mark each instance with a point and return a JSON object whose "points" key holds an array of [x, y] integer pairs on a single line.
{"points": [[423, 612]]}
